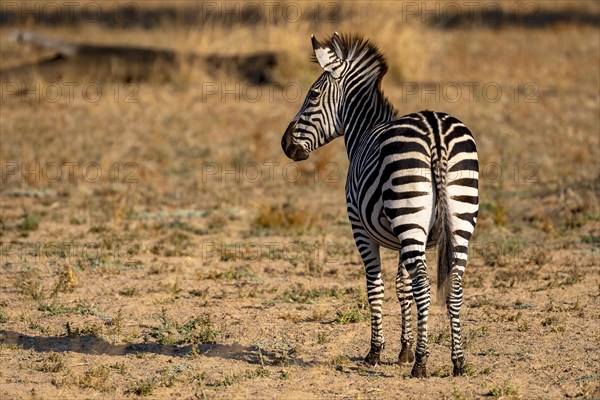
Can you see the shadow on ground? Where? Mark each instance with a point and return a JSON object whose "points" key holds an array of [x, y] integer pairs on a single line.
{"points": [[95, 345]]}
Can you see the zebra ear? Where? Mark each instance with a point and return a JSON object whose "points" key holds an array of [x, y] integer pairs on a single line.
{"points": [[336, 38], [327, 58]]}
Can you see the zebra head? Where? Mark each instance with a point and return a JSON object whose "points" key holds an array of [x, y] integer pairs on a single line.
{"points": [[319, 120]]}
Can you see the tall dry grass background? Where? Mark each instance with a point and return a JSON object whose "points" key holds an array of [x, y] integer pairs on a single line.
{"points": [[203, 263]]}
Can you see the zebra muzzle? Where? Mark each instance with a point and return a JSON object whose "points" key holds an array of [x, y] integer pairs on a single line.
{"points": [[297, 153], [291, 149]]}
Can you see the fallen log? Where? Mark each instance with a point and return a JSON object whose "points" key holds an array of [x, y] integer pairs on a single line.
{"points": [[255, 68]]}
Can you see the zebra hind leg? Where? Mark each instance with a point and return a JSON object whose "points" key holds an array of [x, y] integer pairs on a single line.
{"points": [[463, 224], [417, 268], [453, 304], [405, 296]]}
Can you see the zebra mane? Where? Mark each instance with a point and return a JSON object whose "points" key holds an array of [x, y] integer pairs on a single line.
{"points": [[350, 46]]}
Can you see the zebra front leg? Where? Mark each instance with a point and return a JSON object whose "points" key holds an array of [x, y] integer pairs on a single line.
{"points": [[417, 268], [453, 304], [375, 291], [369, 252], [405, 296]]}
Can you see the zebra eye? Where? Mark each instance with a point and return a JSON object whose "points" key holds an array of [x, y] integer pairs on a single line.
{"points": [[313, 94]]}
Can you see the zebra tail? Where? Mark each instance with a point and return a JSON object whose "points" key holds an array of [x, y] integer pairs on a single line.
{"points": [[445, 245]]}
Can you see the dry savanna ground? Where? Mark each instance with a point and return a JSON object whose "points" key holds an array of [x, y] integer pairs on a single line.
{"points": [[155, 242]]}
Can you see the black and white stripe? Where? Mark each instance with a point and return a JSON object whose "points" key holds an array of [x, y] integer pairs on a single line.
{"points": [[412, 183]]}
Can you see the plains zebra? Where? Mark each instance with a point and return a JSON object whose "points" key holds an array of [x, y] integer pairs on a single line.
{"points": [[412, 183]]}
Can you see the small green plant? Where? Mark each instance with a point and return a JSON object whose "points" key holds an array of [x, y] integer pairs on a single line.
{"points": [[350, 316], [142, 388], [129, 292], [239, 273], [38, 327], [442, 338], [199, 330], [3, 316], [202, 293], [119, 367], [30, 222], [440, 373], [174, 244], [52, 363], [73, 332], [354, 311], [480, 302], [29, 284], [260, 372], [522, 326], [590, 239], [322, 338], [299, 294], [226, 381], [457, 394], [81, 308], [165, 333], [196, 331], [469, 370], [507, 389], [285, 374], [553, 324], [115, 325], [54, 308], [183, 226], [481, 332], [569, 277], [95, 378], [340, 363], [168, 375]]}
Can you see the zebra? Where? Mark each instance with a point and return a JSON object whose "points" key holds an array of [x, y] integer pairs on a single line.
{"points": [[412, 184]]}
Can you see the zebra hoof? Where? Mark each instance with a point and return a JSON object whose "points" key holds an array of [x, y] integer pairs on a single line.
{"points": [[407, 355], [459, 368], [419, 371], [372, 359]]}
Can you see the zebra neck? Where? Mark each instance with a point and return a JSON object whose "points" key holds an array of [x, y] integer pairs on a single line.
{"points": [[365, 111]]}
